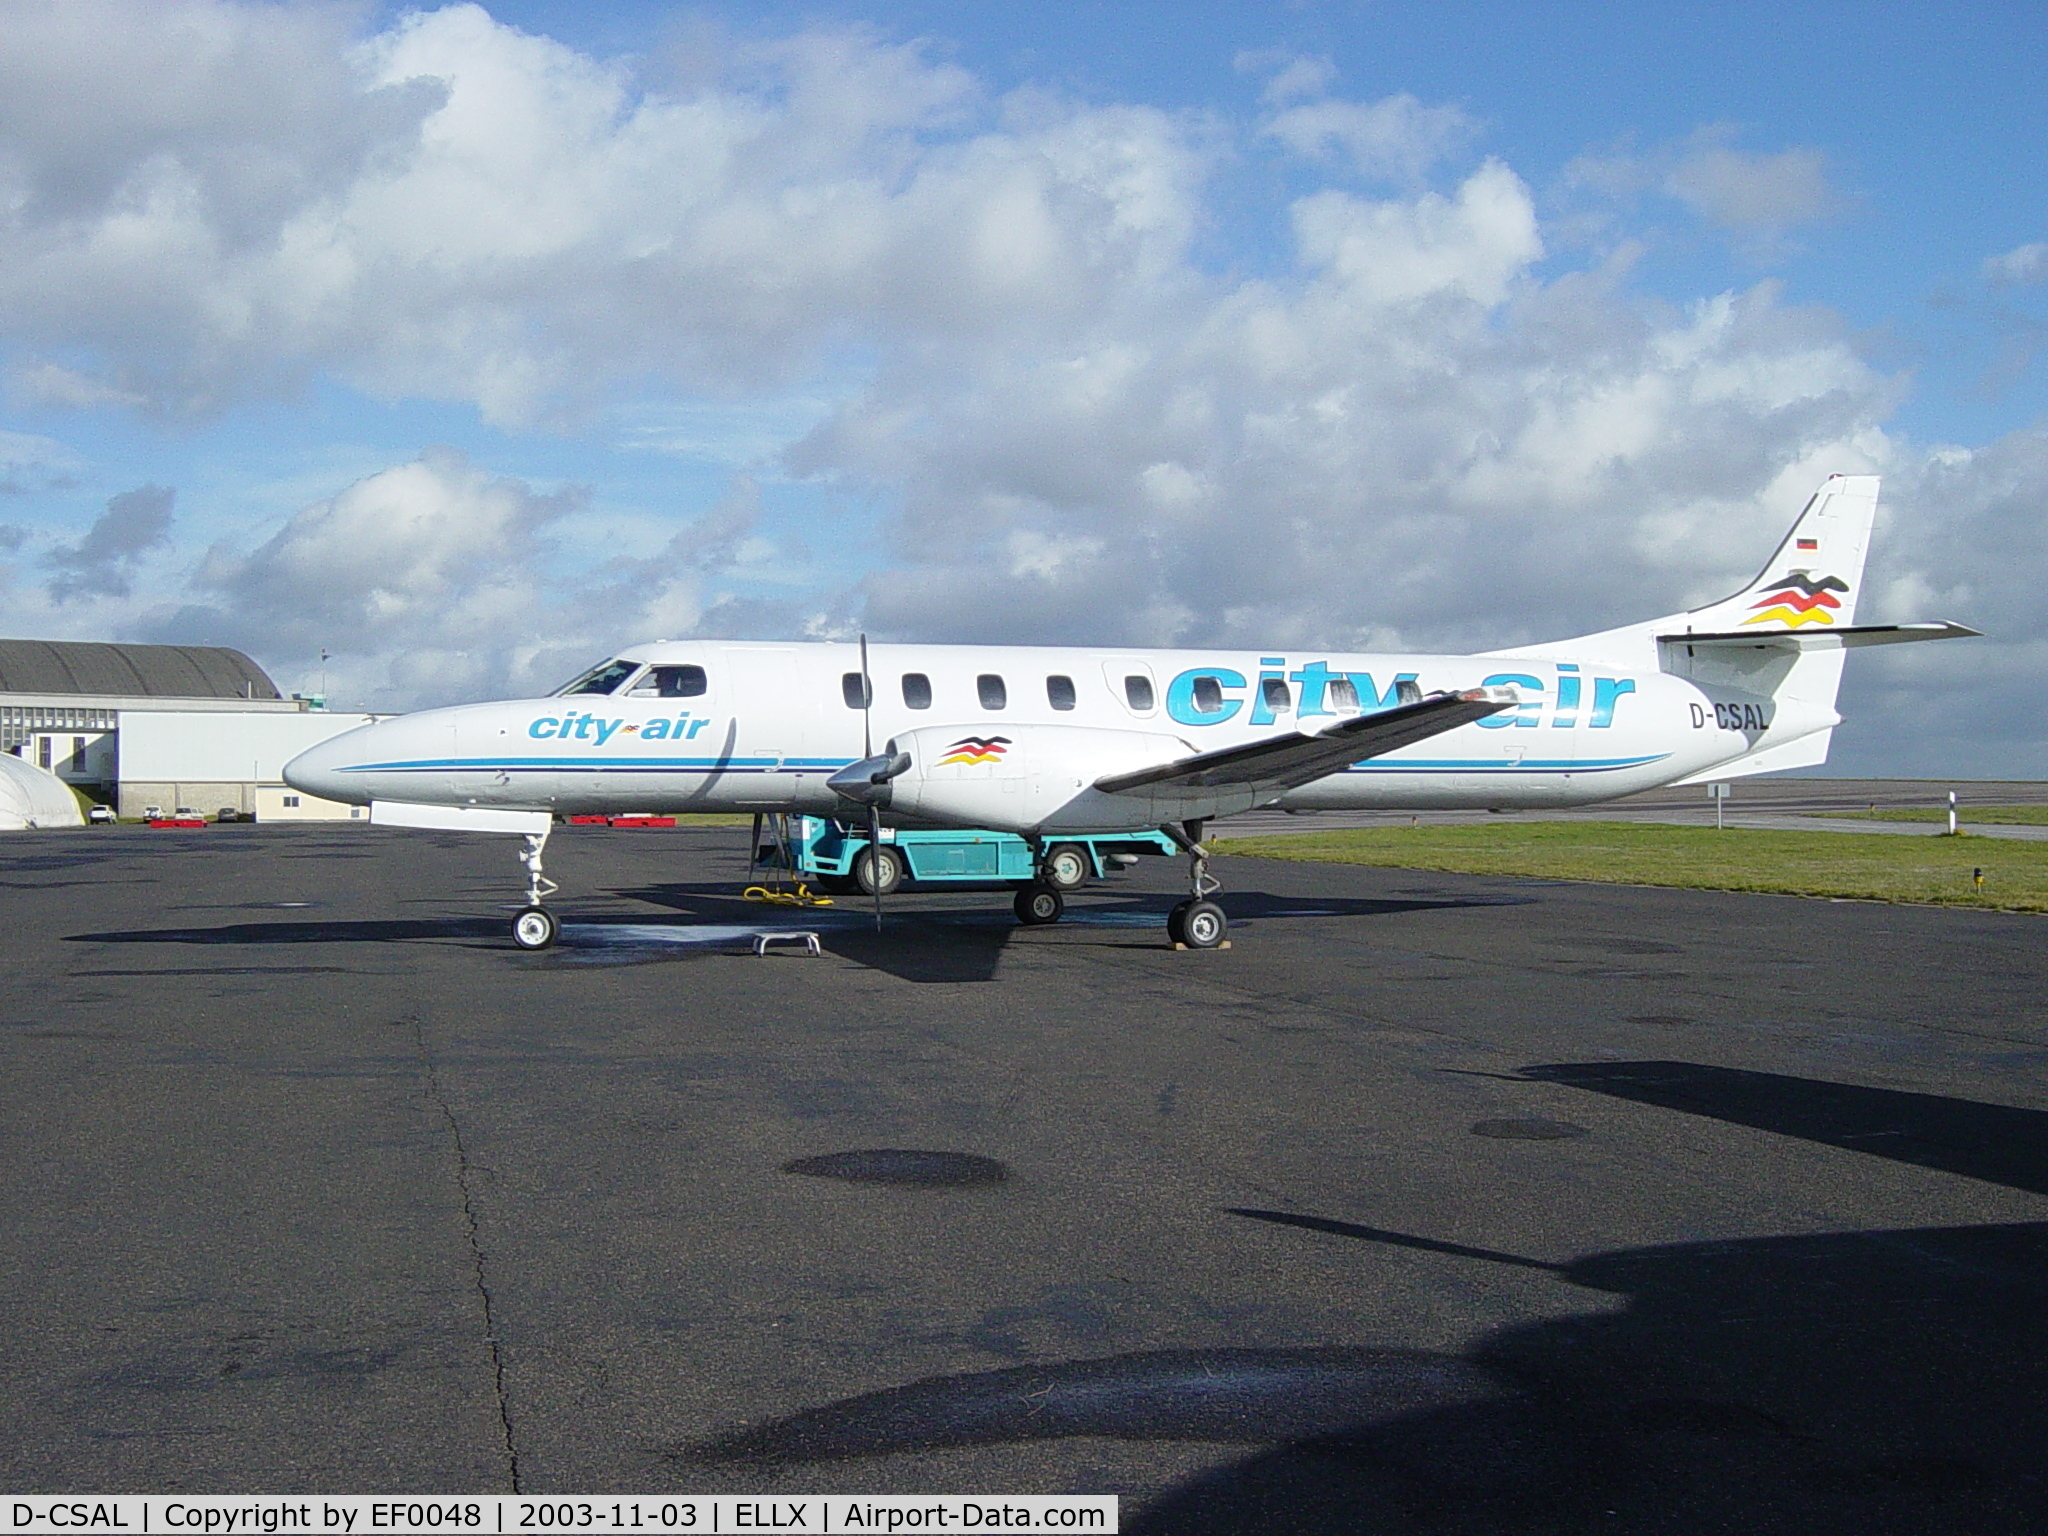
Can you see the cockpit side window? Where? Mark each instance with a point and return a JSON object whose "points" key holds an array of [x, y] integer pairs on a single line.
{"points": [[678, 682], [602, 678]]}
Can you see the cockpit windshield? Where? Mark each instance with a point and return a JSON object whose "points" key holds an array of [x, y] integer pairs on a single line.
{"points": [[602, 678]]}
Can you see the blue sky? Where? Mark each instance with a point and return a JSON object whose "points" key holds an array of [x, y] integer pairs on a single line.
{"points": [[472, 342]]}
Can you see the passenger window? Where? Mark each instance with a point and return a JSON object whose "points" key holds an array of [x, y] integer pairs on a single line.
{"points": [[1059, 691], [1407, 690], [1344, 695], [671, 683], [1208, 692], [991, 691], [1138, 692], [917, 690], [602, 678], [1274, 691], [854, 689]]}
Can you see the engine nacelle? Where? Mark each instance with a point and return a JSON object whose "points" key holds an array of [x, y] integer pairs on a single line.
{"points": [[1025, 778]]}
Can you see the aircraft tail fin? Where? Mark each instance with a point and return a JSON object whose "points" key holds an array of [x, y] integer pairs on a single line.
{"points": [[1814, 576]]}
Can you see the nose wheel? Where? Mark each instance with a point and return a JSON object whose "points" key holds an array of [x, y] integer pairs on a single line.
{"points": [[535, 927], [1197, 923]]}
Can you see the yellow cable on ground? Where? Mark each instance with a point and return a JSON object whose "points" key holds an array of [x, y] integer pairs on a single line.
{"points": [[802, 896]]}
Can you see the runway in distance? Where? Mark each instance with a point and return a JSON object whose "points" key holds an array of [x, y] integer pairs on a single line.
{"points": [[1051, 741]]}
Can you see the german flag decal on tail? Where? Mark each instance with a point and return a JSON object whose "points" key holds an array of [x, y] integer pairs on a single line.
{"points": [[970, 751], [1797, 598]]}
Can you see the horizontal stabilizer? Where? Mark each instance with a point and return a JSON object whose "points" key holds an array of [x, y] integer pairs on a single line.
{"points": [[1846, 638], [1290, 761], [457, 818]]}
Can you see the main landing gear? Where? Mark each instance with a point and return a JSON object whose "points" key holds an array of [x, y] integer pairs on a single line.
{"points": [[1197, 923], [535, 927]]}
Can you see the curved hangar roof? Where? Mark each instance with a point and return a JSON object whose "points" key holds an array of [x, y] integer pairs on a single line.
{"points": [[131, 671]]}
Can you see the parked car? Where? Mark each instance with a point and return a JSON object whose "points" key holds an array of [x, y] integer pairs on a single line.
{"points": [[100, 814]]}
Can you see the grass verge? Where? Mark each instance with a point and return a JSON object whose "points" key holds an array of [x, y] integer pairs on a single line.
{"points": [[1873, 868]]}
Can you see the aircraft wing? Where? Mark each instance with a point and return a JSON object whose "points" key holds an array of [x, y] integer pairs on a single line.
{"points": [[1290, 761]]}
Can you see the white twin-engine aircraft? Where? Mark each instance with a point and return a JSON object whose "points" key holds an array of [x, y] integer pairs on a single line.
{"points": [[1050, 742]]}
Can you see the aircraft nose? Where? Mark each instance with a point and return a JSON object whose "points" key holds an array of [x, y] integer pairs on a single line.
{"points": [[318, 770]]}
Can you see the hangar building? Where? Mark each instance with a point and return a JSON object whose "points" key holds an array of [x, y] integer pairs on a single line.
{"points": [[171, 726]]}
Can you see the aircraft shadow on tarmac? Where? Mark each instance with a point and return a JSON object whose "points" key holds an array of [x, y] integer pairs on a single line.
{"points": [[917, 942], [956, 942], [390, 931], [1853, 1382]]}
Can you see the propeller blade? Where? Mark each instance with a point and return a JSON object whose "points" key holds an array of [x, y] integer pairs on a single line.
{"points": [[875, 858], [867, 703]]}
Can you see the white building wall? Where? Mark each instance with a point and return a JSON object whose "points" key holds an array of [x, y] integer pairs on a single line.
{"points": [[210, 760]]}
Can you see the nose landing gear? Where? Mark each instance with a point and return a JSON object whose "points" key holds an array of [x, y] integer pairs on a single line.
{"points": [[535, 927], [1197, 923]]}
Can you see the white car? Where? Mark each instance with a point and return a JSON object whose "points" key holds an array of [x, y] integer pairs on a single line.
{"points": [[99, 814]]}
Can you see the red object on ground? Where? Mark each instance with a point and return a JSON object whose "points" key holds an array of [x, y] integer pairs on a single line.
{"points": [[643, 821], [179, 821], [589, 821]]}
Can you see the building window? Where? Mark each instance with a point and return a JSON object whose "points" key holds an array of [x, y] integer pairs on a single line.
{"points": [[854, 689], [42, 752], [1059, 691], [291, 802], [917, 690], [78, 754], [990, 690], [1138, 692]]}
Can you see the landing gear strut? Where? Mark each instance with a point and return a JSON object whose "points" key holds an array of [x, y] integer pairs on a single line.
{"points": [[1197, 923], [1040, 902], [535, 927]]}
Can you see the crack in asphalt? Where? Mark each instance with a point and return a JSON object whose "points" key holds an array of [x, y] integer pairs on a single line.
{"points": [[473, 1232]]}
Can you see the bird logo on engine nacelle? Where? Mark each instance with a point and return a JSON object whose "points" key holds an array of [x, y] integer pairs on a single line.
{"points": [[971, 751]]}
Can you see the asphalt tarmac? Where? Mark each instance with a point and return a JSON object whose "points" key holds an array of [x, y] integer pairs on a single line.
{"points": [[1435, 1203]]}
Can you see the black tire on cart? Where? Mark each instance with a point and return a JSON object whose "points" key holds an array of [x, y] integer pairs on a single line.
{"points": [[1068, 866], [837, 885], [878, 870], [1037, 905]]}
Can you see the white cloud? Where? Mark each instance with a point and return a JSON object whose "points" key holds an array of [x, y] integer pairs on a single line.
{"points": [[103, 563], [1398, 138], [456, 209], [32, 463], [2019, 266], [1758, 198], [1290, 74]]}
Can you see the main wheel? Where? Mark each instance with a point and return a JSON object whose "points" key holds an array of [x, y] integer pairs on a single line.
{"points": [[1037, 905], [878, 869], [1203, 925], [535, 928], [1067, 866]]}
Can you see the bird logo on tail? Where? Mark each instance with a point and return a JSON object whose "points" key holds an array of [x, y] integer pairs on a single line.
{"points": [[1798, 598]]}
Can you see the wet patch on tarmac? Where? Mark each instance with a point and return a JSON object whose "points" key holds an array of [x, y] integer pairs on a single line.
{"points": [[903, 1167], [1241, 1396], [1529, 1130]]}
